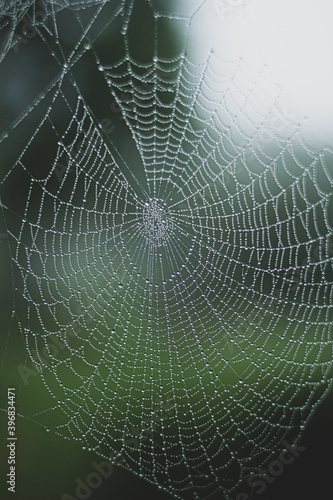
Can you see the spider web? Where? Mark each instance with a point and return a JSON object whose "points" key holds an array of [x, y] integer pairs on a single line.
{"points": [[173, 288]]}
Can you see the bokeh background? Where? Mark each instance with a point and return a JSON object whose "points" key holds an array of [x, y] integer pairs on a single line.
{"points": [[47, 464]]}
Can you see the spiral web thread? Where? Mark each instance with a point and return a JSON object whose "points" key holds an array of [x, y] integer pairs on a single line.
{"points": [[189, 288]]}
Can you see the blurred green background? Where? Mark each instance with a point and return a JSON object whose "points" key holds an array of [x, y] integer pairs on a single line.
{"points": [[48, 465]]}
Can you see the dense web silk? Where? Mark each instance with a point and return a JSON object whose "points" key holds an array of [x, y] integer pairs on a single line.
{"points": [[184, 281]]}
